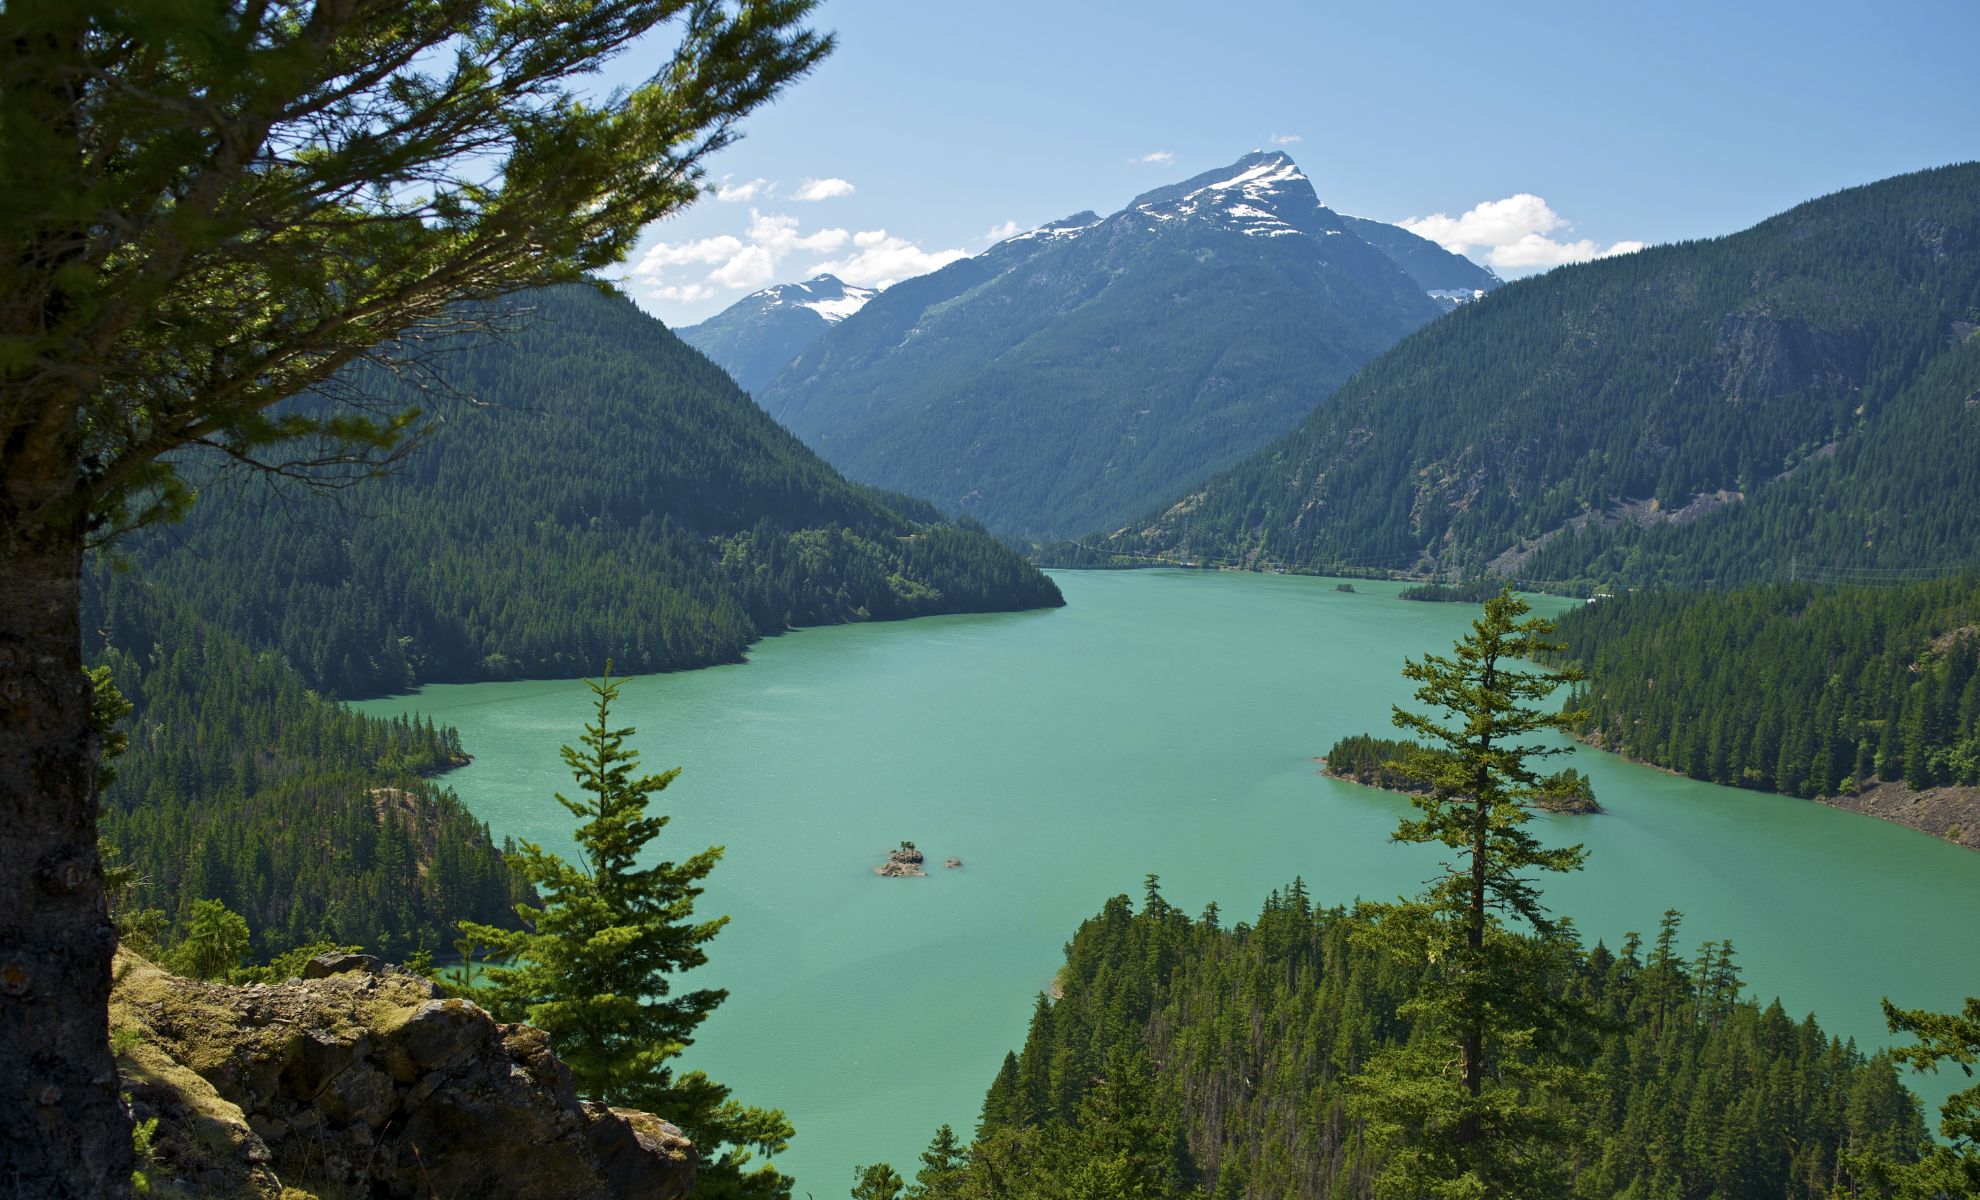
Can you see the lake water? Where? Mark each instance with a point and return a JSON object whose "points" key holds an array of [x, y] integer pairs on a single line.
{"points": [[1164, 721]]}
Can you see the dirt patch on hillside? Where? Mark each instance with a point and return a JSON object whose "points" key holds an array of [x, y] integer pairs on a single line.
{"points": [[1952, 813]]}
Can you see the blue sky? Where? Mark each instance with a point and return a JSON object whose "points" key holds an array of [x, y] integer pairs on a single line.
{"points": [[1579, 128]]}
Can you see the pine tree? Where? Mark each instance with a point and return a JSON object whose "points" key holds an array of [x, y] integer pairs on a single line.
{"points": [[877, 1182], [944, 1168], [593, 965], [1495, 1125], [216, 942]]}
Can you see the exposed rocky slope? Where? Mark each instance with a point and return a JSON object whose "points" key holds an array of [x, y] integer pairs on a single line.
{"points": [[361, 1082], [1952, 813]]}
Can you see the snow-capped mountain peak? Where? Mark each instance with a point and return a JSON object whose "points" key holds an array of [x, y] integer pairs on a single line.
{"points": [[827, 295], [1261, 171], [1263, 194]]}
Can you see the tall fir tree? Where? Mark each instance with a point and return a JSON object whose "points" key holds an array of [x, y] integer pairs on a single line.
{"points": [[944, 1168], [1491, 1118], [593, 965]]}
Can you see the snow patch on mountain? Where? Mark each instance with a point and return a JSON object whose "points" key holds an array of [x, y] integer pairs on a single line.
{"points": [[1264, 175], [1054, 231], [826, 295], [1269, 196]]}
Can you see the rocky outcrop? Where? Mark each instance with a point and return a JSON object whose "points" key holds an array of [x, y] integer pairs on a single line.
{"points": [[904, 863], [361, 1081], [1761, 356], [1952, 813]]}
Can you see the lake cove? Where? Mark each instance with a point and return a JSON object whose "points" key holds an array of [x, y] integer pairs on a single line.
{"points": [[1166, 722]]}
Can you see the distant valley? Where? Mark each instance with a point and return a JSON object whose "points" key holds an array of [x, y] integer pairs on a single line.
{"points": [[1081, 372]]}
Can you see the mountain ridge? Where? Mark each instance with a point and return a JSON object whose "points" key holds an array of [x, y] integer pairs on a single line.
{"points": [[1645, 418], [1071, 373]]}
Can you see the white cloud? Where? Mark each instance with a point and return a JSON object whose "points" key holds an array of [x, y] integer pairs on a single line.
{"points": [[1284, 139], [701, 269], [881, 260], [1512, 233], [1160, 158], [822, 189], [743, 193], [686, 293], [674, 254], [1006, 230], [736, 263]]}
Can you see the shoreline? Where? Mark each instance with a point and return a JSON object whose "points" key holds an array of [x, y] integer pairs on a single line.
{"points": [[1944, 814]]}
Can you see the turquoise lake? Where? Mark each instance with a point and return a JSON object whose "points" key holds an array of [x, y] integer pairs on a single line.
{"points": [[1166, 722]]}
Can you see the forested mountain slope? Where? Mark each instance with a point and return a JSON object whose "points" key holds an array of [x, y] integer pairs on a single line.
{"points": [[241, 785], [1074, 374], [611, 495], [757, 337], [1185, 1059], [1807, 690], [1801, 392]]}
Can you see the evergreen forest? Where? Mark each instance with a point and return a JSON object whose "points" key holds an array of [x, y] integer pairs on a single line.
{"points": [[241, 785], [1184, 1057], [1809, 690], [588, 487], [1794, 401]]}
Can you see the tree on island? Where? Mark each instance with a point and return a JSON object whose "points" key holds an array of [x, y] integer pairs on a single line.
{"points": [[209, 209], [1484, 1106], [593, 965]]}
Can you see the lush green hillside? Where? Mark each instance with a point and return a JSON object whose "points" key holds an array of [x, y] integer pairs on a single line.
{"points": [[1074, 375], [243, 786], [1188, 1059], [609, 494], [1800, 394], [1811, 691]]}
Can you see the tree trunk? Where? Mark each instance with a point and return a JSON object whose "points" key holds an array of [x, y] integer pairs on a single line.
{"points": [[64, 1131]]}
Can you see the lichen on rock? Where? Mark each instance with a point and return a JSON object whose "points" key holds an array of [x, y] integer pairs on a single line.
{"points": [[361, 1080]]}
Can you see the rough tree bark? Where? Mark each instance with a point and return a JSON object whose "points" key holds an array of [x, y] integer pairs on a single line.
{"points": [[63, 1129]]}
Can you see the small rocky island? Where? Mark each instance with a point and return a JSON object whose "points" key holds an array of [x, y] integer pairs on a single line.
{"points": [[1567, 792], [952, 863], [904, 863]]}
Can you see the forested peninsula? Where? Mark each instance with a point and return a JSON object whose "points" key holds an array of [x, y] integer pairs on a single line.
{"points": [[589, 487], [1183, 1057], [1865, 698]]}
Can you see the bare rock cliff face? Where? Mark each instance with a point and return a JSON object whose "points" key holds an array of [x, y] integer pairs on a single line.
{"points": [[361, 1082]]}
